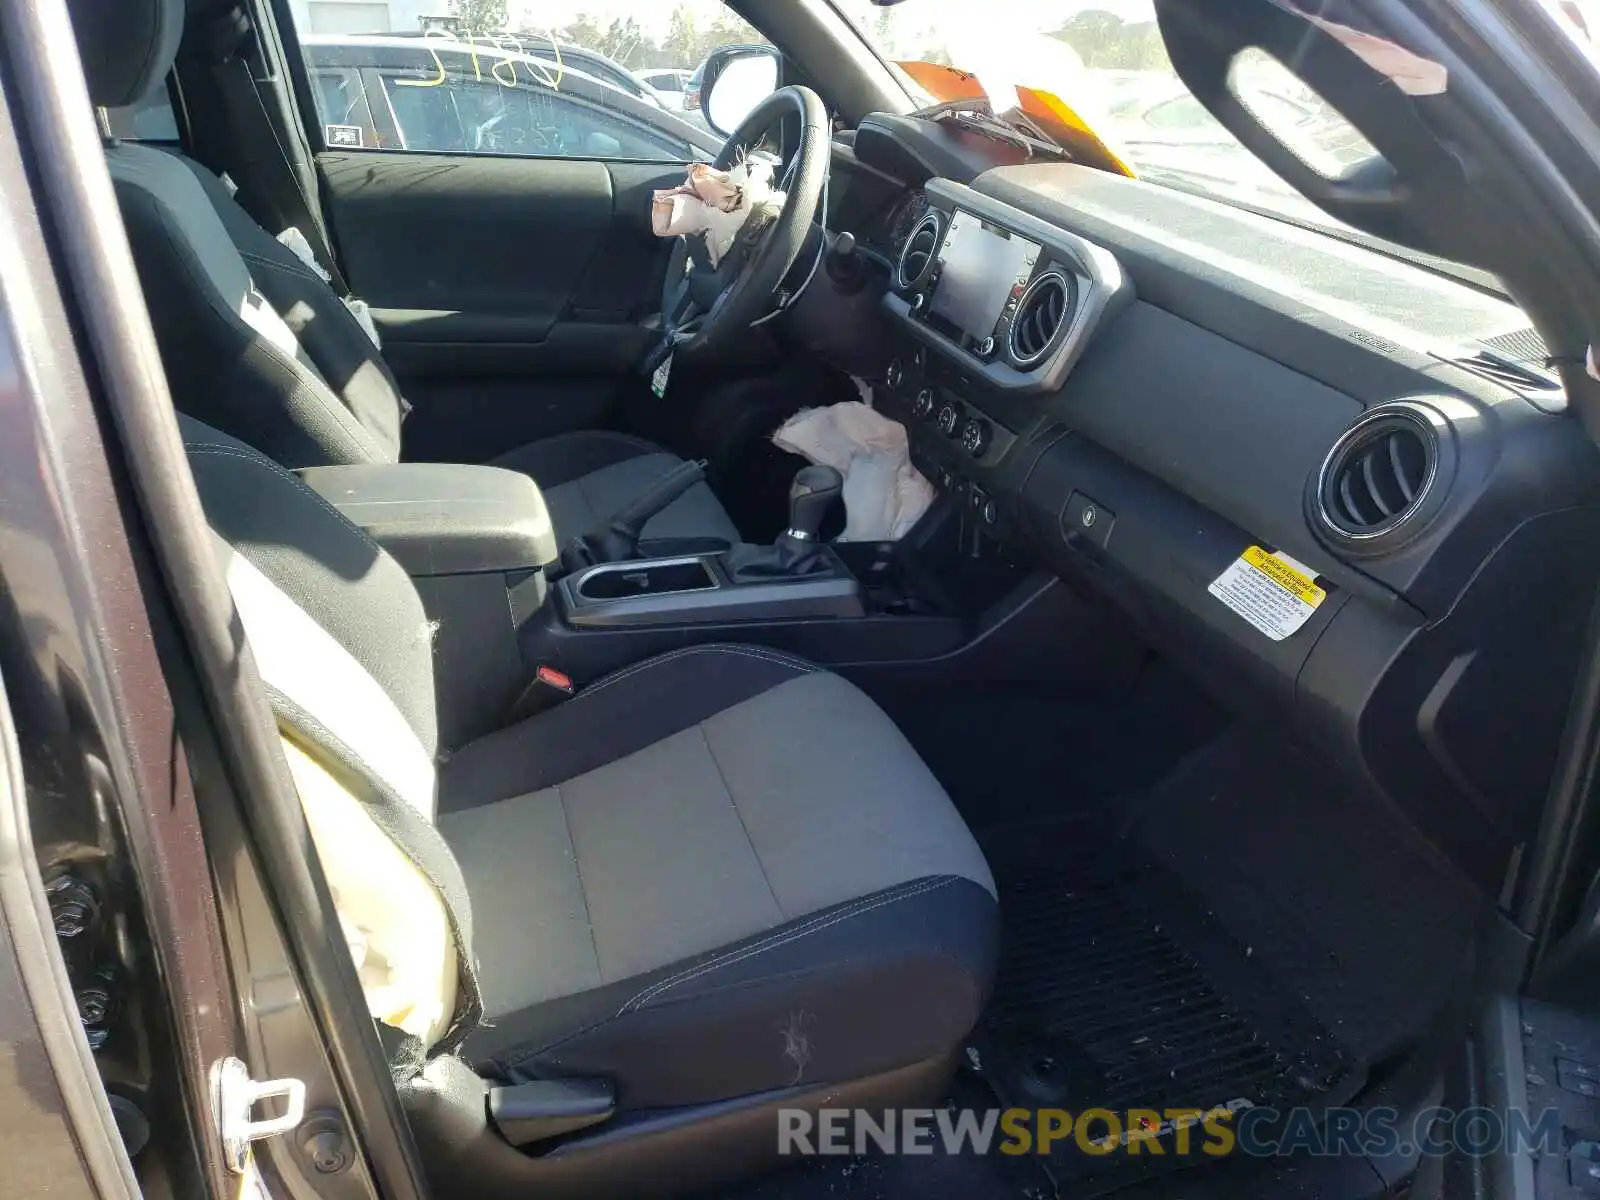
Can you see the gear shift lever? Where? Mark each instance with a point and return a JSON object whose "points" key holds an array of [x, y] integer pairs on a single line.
{"points": [[810, 496], [797, 552]]}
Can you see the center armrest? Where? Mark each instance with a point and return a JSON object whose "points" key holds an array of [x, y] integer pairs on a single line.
{"points": [[444, 518]]}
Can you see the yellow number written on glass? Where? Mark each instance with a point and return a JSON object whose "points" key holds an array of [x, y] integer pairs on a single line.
{"points": [[504, 70]]}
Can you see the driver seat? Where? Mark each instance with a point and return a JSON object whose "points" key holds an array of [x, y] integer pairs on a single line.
{"points": [[255, 343]]}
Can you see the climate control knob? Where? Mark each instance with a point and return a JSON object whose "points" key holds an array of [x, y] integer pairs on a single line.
{"points": [[975, 437], [895, 375], [922, 406], [949, 420]]}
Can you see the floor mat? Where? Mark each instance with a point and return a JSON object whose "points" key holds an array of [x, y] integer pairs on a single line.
{"points": [[1118, 991], [1341, 900]]}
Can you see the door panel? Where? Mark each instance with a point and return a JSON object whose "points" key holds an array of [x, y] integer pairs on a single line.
{"points": [[492, 278], [531, 242]]}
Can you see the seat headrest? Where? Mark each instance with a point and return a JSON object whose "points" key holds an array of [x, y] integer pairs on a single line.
{"points": [[127, 46]]}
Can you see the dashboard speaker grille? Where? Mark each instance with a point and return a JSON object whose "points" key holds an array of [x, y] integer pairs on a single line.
{"points": [[921, 250], [1378, 474], [1043, 313]]}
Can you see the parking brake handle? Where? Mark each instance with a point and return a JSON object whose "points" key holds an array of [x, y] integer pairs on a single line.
{"points": [[618, 539]]}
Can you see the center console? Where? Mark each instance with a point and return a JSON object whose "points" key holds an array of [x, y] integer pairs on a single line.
{"points": [[993, 308], [1006, 299], [505, 600], [477, 542], [701, 589], [832, 604]]}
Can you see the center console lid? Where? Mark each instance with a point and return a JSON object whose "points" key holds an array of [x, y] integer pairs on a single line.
{"points": [[444, 518]]}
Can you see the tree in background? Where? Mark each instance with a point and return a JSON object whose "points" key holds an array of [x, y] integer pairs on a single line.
{"points": [[686, 44], [682, 42], [621, 39], [627, 43], [1104, 40], [480, 16]]}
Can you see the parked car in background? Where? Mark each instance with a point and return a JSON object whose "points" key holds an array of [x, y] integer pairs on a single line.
{"points": [[671, 84], [694, 89], [691, 90], [563, 54], [445, 96]]}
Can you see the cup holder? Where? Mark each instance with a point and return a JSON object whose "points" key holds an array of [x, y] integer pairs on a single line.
{"points": [[624, 581]]}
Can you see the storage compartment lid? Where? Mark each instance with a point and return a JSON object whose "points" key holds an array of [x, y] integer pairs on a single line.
{"points": [[444, 518]]}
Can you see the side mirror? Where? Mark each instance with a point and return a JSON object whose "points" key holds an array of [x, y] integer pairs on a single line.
{"points": [[736, 79]]}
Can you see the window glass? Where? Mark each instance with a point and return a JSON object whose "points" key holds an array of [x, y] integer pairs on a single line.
{"points": [[1185, 112], [1109, 63], [342, 103], [150, 120], [466, 115], [1296, 115], [583, 78]]}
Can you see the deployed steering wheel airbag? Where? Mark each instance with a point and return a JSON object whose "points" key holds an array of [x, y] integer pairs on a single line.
{"points": [[699, 325]]}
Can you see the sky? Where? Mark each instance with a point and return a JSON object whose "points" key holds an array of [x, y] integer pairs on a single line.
{"points": [[654, 15], [1003, 41]]}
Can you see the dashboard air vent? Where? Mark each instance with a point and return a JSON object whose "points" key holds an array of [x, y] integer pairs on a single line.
{"points": [[1045, 309], [1379, 483], [921, 251]]}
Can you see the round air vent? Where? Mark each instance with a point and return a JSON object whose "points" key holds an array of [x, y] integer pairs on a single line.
{"points": [[1045, 310], [921, 251], [1381, 482]]}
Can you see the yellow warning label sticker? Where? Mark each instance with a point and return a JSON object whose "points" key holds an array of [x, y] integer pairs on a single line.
{"points": [[1270, 590], [1287, 574]]}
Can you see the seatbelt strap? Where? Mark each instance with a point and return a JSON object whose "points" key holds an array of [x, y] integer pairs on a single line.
{"points": [[267, 177]]}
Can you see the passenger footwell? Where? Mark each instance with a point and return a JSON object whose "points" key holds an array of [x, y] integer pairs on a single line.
{"points": [[1118, 991]]}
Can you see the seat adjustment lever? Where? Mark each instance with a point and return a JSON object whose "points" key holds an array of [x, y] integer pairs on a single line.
{"points": [[547, 1108]]}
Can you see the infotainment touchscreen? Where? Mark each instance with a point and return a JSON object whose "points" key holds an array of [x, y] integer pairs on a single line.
{"points": [[980, 266]]}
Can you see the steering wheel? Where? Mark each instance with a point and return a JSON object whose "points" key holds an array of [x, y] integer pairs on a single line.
{"points": [[703, 309]]}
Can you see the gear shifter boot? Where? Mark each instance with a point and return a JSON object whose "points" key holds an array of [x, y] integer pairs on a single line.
{"points": [[787, 558], [798, 551]]}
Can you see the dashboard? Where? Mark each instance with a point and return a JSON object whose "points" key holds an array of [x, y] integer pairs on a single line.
{"points": [[1343, 490]]}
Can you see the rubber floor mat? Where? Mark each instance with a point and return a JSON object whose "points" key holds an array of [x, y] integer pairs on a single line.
{"points": [[1118, 991]]}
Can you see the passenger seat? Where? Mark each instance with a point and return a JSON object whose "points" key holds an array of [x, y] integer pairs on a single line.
{"points": [[720, 880]]}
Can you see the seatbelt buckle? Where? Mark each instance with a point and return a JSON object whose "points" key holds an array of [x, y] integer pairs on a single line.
{"points": [[556, 681], [548, 688]]}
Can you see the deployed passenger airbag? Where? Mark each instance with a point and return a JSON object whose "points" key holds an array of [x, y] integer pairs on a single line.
{"points": [[884, 495]]}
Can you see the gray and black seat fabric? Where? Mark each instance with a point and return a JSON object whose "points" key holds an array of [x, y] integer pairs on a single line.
{"points": [[716, 874], [257, 344]]}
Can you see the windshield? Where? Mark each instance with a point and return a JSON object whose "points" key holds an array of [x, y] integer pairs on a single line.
{"points": [[1106, 59]]}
